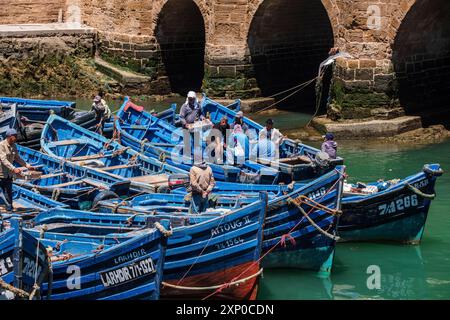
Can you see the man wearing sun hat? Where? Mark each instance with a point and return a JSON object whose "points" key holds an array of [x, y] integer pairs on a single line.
{"points": [[191, 110], [9, 155]]}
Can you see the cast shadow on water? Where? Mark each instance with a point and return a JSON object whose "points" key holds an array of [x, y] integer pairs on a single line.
{"points": [[402, 276]]}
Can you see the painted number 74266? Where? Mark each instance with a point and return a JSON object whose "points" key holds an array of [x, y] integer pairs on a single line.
{"points": [[398, 205]]}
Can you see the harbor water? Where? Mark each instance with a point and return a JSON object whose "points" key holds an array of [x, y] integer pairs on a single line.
{"points": [[406, 272]]}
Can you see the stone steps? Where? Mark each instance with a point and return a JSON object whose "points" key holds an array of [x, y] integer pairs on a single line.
{"points": [[371, 128], [249, 105], [130, 81]]}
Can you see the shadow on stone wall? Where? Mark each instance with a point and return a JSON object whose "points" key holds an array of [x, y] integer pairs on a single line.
{"points": [[421, 56], [181, 37], [287, 44]]}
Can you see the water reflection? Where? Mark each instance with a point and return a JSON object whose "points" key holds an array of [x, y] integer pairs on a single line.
{"points": [[290, 284], [401, 269]]}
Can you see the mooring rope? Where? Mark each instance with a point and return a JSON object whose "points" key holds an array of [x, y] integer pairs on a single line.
{"points": [[420, 193], [341, 176]]}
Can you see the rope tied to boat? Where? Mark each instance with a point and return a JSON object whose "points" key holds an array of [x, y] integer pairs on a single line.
{"points": [[118, 205], [162, 157], [279, 241], [220, 287], [302, 199], [56, 193], [287, 236], [420, 193], [143, 142], [16, 291], [166, 233]]}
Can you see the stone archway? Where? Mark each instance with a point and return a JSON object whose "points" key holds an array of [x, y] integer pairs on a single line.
{"points": [[286, 45], [421, 58], [180, 33]]}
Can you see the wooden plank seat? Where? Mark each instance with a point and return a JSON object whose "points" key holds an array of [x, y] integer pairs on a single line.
{"points": [[151, 179], [67, 142], [90, 157], [122, 166]]}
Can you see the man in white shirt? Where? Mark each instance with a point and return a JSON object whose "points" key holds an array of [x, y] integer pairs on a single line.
{"points": [[269, 140]]}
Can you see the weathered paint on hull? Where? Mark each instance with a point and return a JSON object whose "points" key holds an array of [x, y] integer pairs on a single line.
{"points": [[406, 230], [319, 259], [244, 291]]}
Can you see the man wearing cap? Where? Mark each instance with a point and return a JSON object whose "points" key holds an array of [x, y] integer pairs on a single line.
{"points": [[102, 112], [329, 146], [202, 182], [239, 120], [191, 110], [9, 154]]}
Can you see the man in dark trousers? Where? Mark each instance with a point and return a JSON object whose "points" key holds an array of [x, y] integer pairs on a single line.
{"points": [[9, 154]]}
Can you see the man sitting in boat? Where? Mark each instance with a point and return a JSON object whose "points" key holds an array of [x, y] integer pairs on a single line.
{"points": [[201, 182], [239, 148], [102, 112], [239, 120], [269, 141], [9, 154], [190, 111], [329, 146]]}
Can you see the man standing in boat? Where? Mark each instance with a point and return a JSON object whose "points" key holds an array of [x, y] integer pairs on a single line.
{"points": [[270, 140], [9, 154], [202, 182], [191, 110], [102, 112]]}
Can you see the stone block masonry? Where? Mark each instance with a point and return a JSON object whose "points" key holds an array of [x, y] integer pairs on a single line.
{"points": [[30, 11], [251, 48]]}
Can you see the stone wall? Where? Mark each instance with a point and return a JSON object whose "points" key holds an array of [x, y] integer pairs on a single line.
{"points": [[30, 11], [258, 47], [47, 64]]}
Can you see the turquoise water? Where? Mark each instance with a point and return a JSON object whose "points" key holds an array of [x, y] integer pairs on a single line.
{"points": [[407, 272]]}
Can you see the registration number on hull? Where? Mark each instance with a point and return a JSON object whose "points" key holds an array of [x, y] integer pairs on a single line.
{"points": [[128, 273], [398, 205], [6, 266]]}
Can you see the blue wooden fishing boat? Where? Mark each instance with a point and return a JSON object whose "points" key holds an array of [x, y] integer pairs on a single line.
{"points": [[390, 211], [297, 160], [64, 139], [155, 137], [27, 203], [216, 255], [79, 187], [38, 110], [96, 263], [8, 120], [24, 264], [301, 222], [32, 114]]}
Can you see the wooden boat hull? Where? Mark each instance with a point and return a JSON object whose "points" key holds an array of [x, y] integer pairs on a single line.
{"points": [[67, 182], [397, 214], [36, 112], [129, 270], [288, 172], [228, 244], [306, 247], [245, 291], [65, 140], [155, 138], [19, 253]]}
